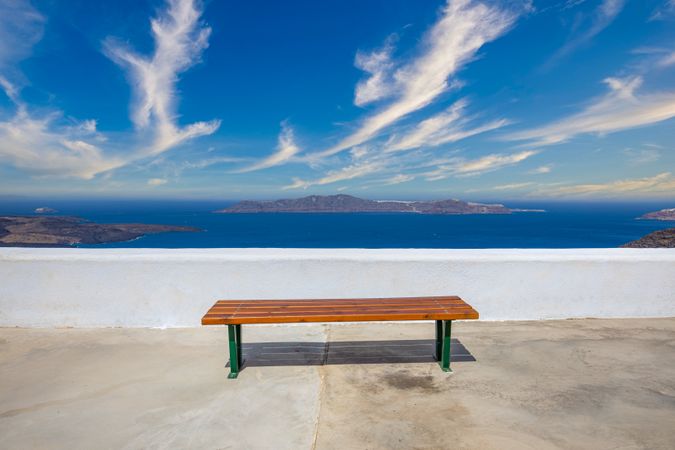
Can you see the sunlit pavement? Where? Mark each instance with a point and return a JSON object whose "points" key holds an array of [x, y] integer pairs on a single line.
{"points": [[540, 384]]}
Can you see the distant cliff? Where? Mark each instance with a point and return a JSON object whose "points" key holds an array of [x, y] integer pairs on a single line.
{"points": [[349, 204], [664, 214], [62, 231], [657, 239]]}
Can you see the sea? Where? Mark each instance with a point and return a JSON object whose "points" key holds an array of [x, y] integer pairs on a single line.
{"points": [[562, 225]]}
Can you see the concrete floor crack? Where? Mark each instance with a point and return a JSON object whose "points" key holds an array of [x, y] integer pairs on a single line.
{"points": [[322, 386]]}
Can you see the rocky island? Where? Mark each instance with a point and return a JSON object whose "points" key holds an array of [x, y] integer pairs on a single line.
{"points": [[657, 239], [349, 204], [64, 231], [664, 214]]}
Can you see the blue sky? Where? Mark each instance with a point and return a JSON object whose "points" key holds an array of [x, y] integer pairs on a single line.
{"points": [[502, 99]]}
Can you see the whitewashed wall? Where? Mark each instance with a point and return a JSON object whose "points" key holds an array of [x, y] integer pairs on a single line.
{"points": [[173, 288]]}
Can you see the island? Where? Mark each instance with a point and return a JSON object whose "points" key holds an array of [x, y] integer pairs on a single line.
{"points": [[65, 231], [664, 214], [657, 239], [342, 203]]}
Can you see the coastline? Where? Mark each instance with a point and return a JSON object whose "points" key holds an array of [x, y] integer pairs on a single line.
{"points": [[563, 225]]}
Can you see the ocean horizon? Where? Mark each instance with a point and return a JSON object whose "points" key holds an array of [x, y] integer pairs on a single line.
{"points": [[562, 225]]}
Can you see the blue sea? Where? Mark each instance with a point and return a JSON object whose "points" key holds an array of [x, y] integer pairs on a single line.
{"points": [[563, 225]]}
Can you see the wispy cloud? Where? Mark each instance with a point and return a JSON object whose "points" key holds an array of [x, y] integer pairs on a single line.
{"points": [[286, 149], [180, 37], [10, 90], [470, 167], [664, 11], [512, 186], [46, 146], [50, 143], [643, 155], [597, 21], [397, 179], [157, 181], [404, 167], [655, 57], [21, 27], [343, 174], [666, 60], [621, 108], [541, 169], [208, 162], [378, 64], [448, 126], [663, 183], [464, 27]]}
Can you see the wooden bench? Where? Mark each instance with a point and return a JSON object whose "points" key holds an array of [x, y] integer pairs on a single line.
{"points": [[235, 313]]}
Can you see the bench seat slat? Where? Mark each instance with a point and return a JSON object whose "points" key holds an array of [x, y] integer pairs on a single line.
{"points": [[335, 305], [247, 313], [296, 312], [338, 310], [343, 300], [310, 305]]}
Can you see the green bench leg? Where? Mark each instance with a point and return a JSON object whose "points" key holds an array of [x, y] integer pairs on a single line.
{"points": [[439, 339], [443, 332], [240, 355], [234, 335]]}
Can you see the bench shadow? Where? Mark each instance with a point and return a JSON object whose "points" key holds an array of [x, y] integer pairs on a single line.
{"points": [[347, 352]]}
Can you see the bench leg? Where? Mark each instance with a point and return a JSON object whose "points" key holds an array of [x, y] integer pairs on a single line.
{"points": [[439, 339], [445, 357], [240, 355], [234, 350]]}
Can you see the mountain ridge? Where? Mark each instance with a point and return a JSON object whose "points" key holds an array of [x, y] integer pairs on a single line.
{"points": [[343, 203]]}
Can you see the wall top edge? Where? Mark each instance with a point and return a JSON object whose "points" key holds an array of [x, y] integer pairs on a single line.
{"points": [[355, 254]]}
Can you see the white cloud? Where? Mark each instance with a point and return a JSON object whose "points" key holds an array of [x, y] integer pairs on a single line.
{"points": [[666, 60], [42, 146], [179, 38], [21, 27], [286, 149], [406, 166], [157, 181], [620, 109], [665, 11], [643, 155], [453, 41], [663, 183], [572, 3], [600, 19], [512, 186], [463, 167], [346, 173], [445, 127], [541, 169], [358, 152], [9, 89], [48, 144], [378, 65], [655, 57], [398, 179], [207, 162]]}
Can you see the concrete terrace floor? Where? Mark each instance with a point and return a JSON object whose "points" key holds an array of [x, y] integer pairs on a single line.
{"points": [[547, 384]]}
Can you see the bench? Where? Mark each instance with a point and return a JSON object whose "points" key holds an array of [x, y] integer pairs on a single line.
{"points": [[235, 313]]}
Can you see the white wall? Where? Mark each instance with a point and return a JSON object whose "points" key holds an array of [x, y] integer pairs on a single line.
{"points": [[174, 288]]}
